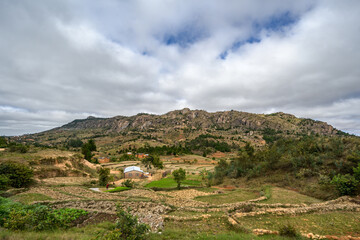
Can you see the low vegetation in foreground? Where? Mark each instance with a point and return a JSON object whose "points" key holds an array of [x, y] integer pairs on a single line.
{"points": [[287, 188]]}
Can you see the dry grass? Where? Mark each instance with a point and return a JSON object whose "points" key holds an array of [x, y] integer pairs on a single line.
{"points": [[280, 195], [333, 223], [237, 195]]}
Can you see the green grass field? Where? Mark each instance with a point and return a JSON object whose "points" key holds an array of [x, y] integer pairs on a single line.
{"points": [[118, 189], [170, 183]]}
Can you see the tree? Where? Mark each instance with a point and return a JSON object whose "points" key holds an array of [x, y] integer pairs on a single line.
{"points": [[87, 148], [104, 176], [91, 145], [204, 174], [179, 176], [152, 161], [221, 171], [3, 142], [345, 184], [249, 149], [18, 175], [75, 143]]}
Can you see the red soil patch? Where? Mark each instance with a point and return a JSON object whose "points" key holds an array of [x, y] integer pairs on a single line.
{"points": [[218, 155]]}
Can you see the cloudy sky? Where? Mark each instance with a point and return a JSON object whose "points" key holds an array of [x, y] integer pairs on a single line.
{"points": [[62, 60]]}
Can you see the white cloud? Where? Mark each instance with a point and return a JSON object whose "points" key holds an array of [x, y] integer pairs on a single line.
{"points": [[61, 59]]}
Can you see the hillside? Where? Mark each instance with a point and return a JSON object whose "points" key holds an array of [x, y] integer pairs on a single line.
{"points": [[233, 127], [187, 119]]}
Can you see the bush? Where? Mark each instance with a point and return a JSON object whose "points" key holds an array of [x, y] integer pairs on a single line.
{"points": [[36, 217], [4, 181], [357, 172], [288, 231], [17, 147], [3, 142], [19, 175], [104, 176], [87, 148], [6, 206], [128, 183], [345, 184], [75, 143], [127, 227]]}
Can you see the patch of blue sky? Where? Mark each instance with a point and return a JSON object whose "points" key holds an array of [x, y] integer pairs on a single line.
{"points": [[236, 45], [277, 23], [185, 36]]}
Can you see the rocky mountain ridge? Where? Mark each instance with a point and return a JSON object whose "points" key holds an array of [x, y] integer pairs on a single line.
{"points": [[187, 119]]}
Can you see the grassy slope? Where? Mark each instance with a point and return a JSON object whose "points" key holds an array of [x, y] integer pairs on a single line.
{"points": [[333, 223], [229, 197], [170, 183], [28, 198], [280, 195]]}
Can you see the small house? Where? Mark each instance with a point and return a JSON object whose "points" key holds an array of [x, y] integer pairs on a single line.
{"points": [[104, 160], [142, 155], [133, 172]]}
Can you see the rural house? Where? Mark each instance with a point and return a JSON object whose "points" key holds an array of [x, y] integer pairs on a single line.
{"points": [[141, 155], [104, 160], [133, 172]]}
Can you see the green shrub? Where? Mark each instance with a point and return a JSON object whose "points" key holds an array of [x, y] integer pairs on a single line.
{"points": [[75, 143], [288, 231], [19, 175], [357, 172], [66, 216], [17, 147], [17, 216], [3, 142], [128, 183], [6, 206], [345, 184], [4, 181], [127, 227], [104, 176]]}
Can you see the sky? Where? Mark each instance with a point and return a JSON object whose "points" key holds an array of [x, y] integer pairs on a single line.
{"points": [[62, 60]]}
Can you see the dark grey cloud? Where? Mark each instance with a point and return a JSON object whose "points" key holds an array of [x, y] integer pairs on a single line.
{"points": [[62, 60]]}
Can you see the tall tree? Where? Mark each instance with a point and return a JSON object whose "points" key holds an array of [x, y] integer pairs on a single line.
{"points": [[87, 148], [179, 176], [152, 161]]}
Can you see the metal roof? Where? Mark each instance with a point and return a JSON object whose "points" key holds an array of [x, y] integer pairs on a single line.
{"points": [[132, 168]]}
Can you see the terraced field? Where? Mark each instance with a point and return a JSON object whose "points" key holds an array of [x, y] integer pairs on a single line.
{"points": [[220, 212]]}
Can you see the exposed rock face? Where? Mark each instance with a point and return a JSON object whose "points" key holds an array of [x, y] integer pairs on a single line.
{"points": [[191, 119]]}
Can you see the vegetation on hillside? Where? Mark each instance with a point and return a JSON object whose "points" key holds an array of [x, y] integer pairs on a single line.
{"points": [[127, 227], [88, 148], [329, 160], [13, 174], [152, 161], [17, 216], [179, 176]]}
